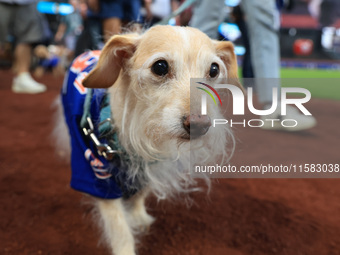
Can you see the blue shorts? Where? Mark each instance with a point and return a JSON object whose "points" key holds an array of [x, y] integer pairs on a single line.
{"points": [[126, 10]]}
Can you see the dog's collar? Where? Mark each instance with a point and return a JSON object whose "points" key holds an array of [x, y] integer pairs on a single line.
{"points": [[103, 135]]}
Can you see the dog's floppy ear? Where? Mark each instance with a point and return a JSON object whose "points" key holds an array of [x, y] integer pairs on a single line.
{"points": [[111, 60], [225, 50]]}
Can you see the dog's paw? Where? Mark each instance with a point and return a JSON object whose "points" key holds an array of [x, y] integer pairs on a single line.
{"points": [[141, 221], [145, 222], [124, 251]]}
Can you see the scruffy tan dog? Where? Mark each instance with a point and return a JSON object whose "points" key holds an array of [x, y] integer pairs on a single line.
{"points": [[154, 115]]}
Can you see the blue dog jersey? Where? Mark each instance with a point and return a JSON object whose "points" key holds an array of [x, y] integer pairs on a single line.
{"points": [[91, 173]]}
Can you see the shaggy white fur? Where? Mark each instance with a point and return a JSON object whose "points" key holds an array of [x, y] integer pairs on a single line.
{"points": [[148, 111]]}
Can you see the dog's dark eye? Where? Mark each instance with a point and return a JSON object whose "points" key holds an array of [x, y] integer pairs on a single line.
{"points": [[160, 68], [214, 70]]}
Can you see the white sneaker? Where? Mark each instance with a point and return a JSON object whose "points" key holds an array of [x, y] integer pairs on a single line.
{"points": [[24, 83], [295, 121]]}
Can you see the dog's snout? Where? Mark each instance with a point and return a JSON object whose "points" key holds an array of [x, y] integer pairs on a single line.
{"points": [[196, 125]]}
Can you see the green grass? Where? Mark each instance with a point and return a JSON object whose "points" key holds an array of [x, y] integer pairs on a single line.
{"points": [[321, 83], [309, 73]]}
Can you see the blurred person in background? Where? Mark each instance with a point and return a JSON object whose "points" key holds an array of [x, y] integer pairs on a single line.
{"points": [[325, 11], [207, 16], [21, 19], [105, 18], [238, 17], [156, 10], [263, 23], [117, 13], [69, 29]]}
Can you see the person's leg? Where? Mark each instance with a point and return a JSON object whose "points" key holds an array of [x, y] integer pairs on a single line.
{"points": [[22, 54], [23, 83], [131, 11], [111, 14], [262, 25], [207, 16], [93, 32], [247, 68], [111, 26], [5, 20], [328, 12], [27, 29]]}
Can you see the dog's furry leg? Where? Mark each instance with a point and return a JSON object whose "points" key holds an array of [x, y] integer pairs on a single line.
{"points": [[118, 233], [138, 217]]}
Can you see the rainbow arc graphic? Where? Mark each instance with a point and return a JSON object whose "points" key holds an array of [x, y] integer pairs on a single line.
{"points": [[209, 93]]}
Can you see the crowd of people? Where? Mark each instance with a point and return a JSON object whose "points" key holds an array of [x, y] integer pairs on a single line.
{"points": [[93, 22], [88, 26]]}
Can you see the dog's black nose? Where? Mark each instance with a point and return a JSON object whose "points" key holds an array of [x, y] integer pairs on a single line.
{"points": [[196, 125]]}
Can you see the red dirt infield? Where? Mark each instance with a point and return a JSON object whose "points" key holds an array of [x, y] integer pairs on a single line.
{"points": [[41, 214]]}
